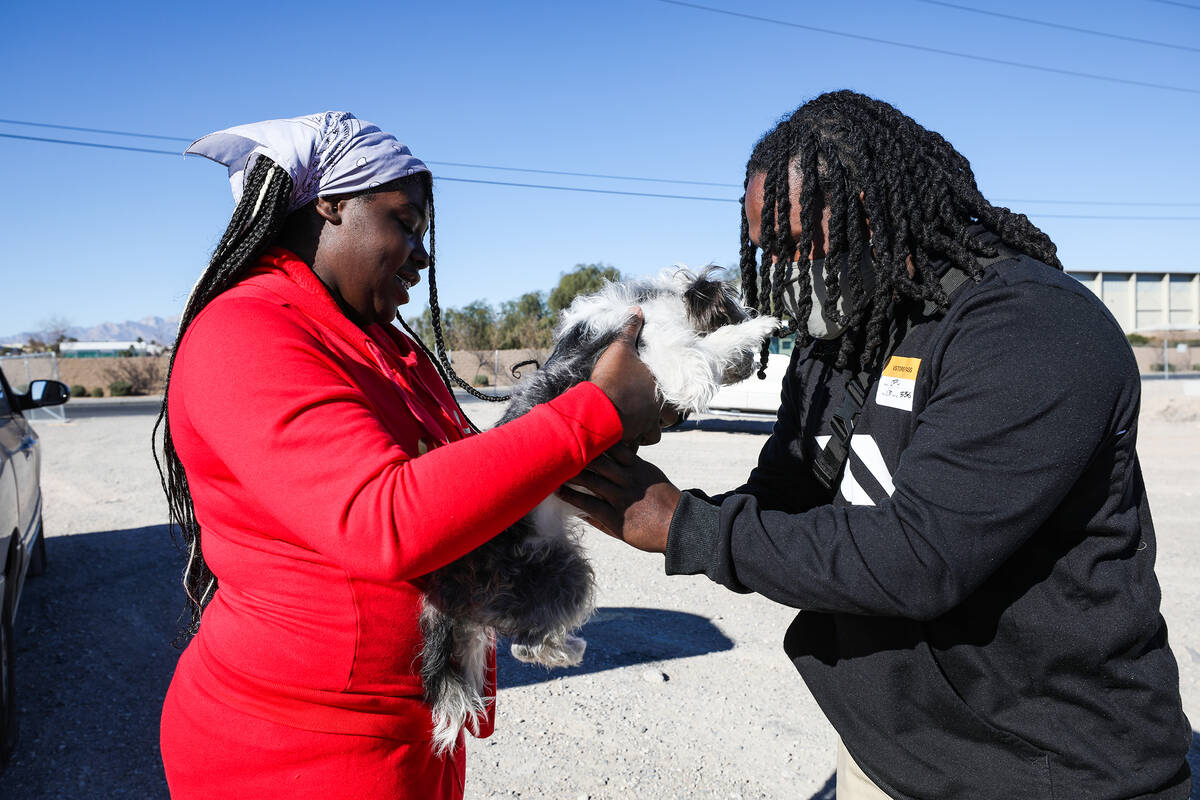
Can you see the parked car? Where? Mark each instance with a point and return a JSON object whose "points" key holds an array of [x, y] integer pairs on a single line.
{"points": [[754, 396], [22, 547]]}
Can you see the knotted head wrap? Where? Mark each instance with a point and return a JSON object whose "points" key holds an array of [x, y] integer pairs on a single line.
{"points": [[325, 154]]}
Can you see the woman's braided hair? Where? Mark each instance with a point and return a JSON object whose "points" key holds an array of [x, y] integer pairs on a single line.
{"points": [[917, 192], [255, 224], [258, 219]]}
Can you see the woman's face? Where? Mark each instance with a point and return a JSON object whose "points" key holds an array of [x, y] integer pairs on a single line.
{"points": [[372, 248]]}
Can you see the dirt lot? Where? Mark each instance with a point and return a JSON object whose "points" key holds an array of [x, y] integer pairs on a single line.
{"points": [[685, 691]]}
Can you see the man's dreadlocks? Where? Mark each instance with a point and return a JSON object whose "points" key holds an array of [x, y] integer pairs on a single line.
{"points": [[917, 192]]}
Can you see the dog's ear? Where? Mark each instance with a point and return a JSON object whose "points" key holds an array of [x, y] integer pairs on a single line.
{"points": [[711, 302]]}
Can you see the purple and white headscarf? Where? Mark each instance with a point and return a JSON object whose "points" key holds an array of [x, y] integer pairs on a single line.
{"points": [[325, 154]]}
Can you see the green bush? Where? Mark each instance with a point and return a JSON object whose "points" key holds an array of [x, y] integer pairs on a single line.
{"points": [[120, 388], [97, 391], [1158, 367], [481, 380], [78, 390], [1136, 339]]}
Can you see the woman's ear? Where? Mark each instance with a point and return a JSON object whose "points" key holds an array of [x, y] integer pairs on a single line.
{"points": [[329, 209]]}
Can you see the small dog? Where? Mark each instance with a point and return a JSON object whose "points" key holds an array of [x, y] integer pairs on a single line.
{"points": [[532, 582]]}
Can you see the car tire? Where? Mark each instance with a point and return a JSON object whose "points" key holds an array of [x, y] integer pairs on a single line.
{"points": [[37, 559], [8, 691]]}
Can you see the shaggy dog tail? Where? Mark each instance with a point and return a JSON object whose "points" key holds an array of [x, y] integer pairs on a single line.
{"points": [[454, 701]]}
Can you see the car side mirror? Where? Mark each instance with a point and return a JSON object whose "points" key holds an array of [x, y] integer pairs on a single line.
{"points": [[46, 393]]}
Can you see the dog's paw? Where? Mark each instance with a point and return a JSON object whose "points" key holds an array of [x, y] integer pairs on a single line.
{"points": [[572, 650], [552, 651], [526, 653]]}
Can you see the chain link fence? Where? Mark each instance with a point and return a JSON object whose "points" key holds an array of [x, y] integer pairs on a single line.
{"points": [[23, 370]]}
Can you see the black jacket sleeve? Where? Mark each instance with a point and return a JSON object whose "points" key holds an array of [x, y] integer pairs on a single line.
{"points": [[1025, 390]]}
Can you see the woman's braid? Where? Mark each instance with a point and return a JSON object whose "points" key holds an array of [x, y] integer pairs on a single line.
{"points": [[268, 189]]}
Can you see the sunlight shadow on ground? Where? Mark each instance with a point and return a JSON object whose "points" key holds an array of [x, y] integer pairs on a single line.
{"points": [[622, 637], [94, 657]]}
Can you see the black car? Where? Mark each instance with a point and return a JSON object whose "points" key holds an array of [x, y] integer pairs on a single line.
{"points": [[22, 547]]}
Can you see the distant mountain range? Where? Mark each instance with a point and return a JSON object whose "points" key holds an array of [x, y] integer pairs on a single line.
{"points": [[158, 329]]}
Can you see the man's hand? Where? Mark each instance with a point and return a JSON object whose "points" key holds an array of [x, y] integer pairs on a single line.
{"points": [[630, 499]]}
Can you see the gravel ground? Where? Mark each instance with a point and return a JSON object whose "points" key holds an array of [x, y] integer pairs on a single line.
{"points": [[684, 693]]}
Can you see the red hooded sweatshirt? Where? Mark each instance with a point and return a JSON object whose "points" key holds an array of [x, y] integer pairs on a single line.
{"points": [[300, 435]]}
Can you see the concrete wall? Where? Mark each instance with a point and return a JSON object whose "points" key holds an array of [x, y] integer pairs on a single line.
{"points": [[1147, 301]]}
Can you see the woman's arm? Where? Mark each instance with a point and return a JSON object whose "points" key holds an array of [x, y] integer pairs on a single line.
{"points": [[277, 413]]}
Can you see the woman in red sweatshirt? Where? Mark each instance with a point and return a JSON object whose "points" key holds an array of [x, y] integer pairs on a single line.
{"points": [[295, 415]]}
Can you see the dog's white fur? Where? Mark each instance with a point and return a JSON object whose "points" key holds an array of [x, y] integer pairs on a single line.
{"points": [[689, 367]]}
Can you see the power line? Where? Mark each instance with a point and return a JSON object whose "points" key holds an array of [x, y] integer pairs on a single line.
{"points": [[90, 144], [94, 130], [439, 178], [1046, 24], [1177, 3], [552, 171], [1114, 216], [1092, 202], [600, 191], [583, 174], [438, 163], [939, 51], [592, 191]]}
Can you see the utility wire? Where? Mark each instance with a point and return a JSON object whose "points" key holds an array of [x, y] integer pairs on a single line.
{"points": [[1092, 202], [1177, 3], [583, 174], [560, 172], [438, 163], [939, 51], [1046, 24], [90, 144], [581, 188], [439, 178], [94, 130]]}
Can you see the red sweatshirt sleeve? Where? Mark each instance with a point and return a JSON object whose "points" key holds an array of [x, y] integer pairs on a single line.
{"points": [[282, 415]]}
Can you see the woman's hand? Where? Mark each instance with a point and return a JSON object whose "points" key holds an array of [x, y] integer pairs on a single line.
{"points": [[630, 386], [626, 497]]}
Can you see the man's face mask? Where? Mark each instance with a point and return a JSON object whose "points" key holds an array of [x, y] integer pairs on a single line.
{"points": [[824, 322]]}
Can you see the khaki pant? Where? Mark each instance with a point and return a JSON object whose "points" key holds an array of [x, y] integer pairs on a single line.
{"points": [[852, 784]]}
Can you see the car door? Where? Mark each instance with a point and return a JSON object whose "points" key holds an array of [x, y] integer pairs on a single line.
{"points": [[24, 458], [11, 434]]}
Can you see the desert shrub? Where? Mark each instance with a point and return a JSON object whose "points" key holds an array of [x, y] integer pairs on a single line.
{"points": [[1137, 339], [120, 389], [1158, 367], [481, 380], [78, 390], [97, 391], [142, 374]]}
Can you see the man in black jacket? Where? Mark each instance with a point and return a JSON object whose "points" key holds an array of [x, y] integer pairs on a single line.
{"points": [[951, 493]]}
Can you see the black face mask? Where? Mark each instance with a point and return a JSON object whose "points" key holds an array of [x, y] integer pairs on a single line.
{"points": [[824, 322]]}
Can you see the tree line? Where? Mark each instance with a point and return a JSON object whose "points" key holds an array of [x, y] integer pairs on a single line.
{"points": [[526, 323]]}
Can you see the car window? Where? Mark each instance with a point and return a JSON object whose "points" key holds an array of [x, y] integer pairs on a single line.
{"points": [[783, 347]]}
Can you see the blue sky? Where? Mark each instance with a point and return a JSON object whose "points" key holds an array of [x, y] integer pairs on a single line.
{"points": [[625, 87]]}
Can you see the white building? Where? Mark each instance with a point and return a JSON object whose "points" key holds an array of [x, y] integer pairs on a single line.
{"points": [[1146, 299], [107, 349]]}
